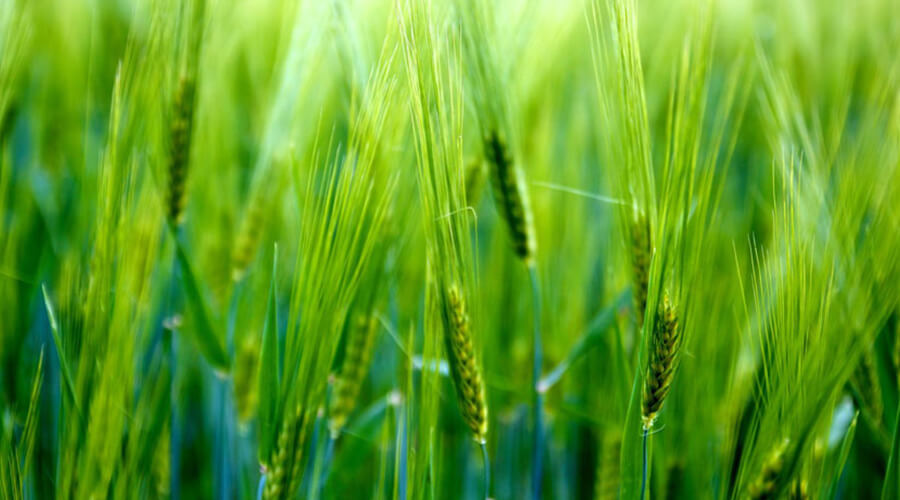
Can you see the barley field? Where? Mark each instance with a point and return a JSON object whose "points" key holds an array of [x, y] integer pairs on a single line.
{"points": [[450, 249]]}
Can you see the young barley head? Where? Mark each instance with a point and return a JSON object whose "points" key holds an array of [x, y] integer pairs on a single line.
{"points": [[358, 354], [180, 146], [639, 235], [665, 345], [463, 365], [766, 484], [511, 197]]}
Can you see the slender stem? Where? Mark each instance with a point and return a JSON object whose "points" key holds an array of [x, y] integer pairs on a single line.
{"points": [[261, 487], [537, 396], [326, 462], [487, 471], [169, 340], [644, 465]]}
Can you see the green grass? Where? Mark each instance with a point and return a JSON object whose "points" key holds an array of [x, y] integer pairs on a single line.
{"points": [[178, 303]]}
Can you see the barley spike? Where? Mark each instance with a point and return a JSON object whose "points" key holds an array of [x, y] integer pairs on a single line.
{"points": [[640, 264], [511, 197], [664, 348], [358, 354], [606, 484], [463, 365], [766, 484], [180, 147]]}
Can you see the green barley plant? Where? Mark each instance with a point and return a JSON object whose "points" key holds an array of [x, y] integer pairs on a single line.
{"points": [[461, 249]]}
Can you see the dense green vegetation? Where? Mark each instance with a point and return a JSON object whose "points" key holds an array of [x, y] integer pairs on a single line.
{"points": [[449, 249]]}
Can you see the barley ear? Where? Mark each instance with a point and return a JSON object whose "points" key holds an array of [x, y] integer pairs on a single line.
{"points": [[284, 472], [766, 483], [865, 378], [639, 235], [245, 386], [606, 484], [358, 354], [511, 197], [180, 147], [463, 365], [247, 240], [665, 345]]}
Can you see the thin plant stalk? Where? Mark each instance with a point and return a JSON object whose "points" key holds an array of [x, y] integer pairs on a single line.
{"points": [[487, 471], [644, 463], [537, 396]]}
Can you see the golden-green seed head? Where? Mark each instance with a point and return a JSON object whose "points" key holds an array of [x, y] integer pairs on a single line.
{"points": [[247, 241], [639, 233], [245, 379], [511, 197], [180, 147], [284, 469], [766, 484], [865, 378], [664, 348], [358, 354], [606, 484], [463, 365]]}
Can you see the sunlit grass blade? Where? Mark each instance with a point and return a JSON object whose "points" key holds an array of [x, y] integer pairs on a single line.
{"points": [[269, 372], [60, 351]]}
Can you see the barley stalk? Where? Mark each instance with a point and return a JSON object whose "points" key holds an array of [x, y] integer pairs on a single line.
{"points": [[664, 349], [511, 197], [180, 147], [357, 357], [463, 365]]}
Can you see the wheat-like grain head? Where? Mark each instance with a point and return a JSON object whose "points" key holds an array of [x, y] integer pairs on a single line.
{"points": [[865, 378], [358, 354], [766, 483], [245, 384], [606, 484], [283, 474], [639, 236], [665, 346], [511, 197], [180, 146], [463, 365], [247, 240]]}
